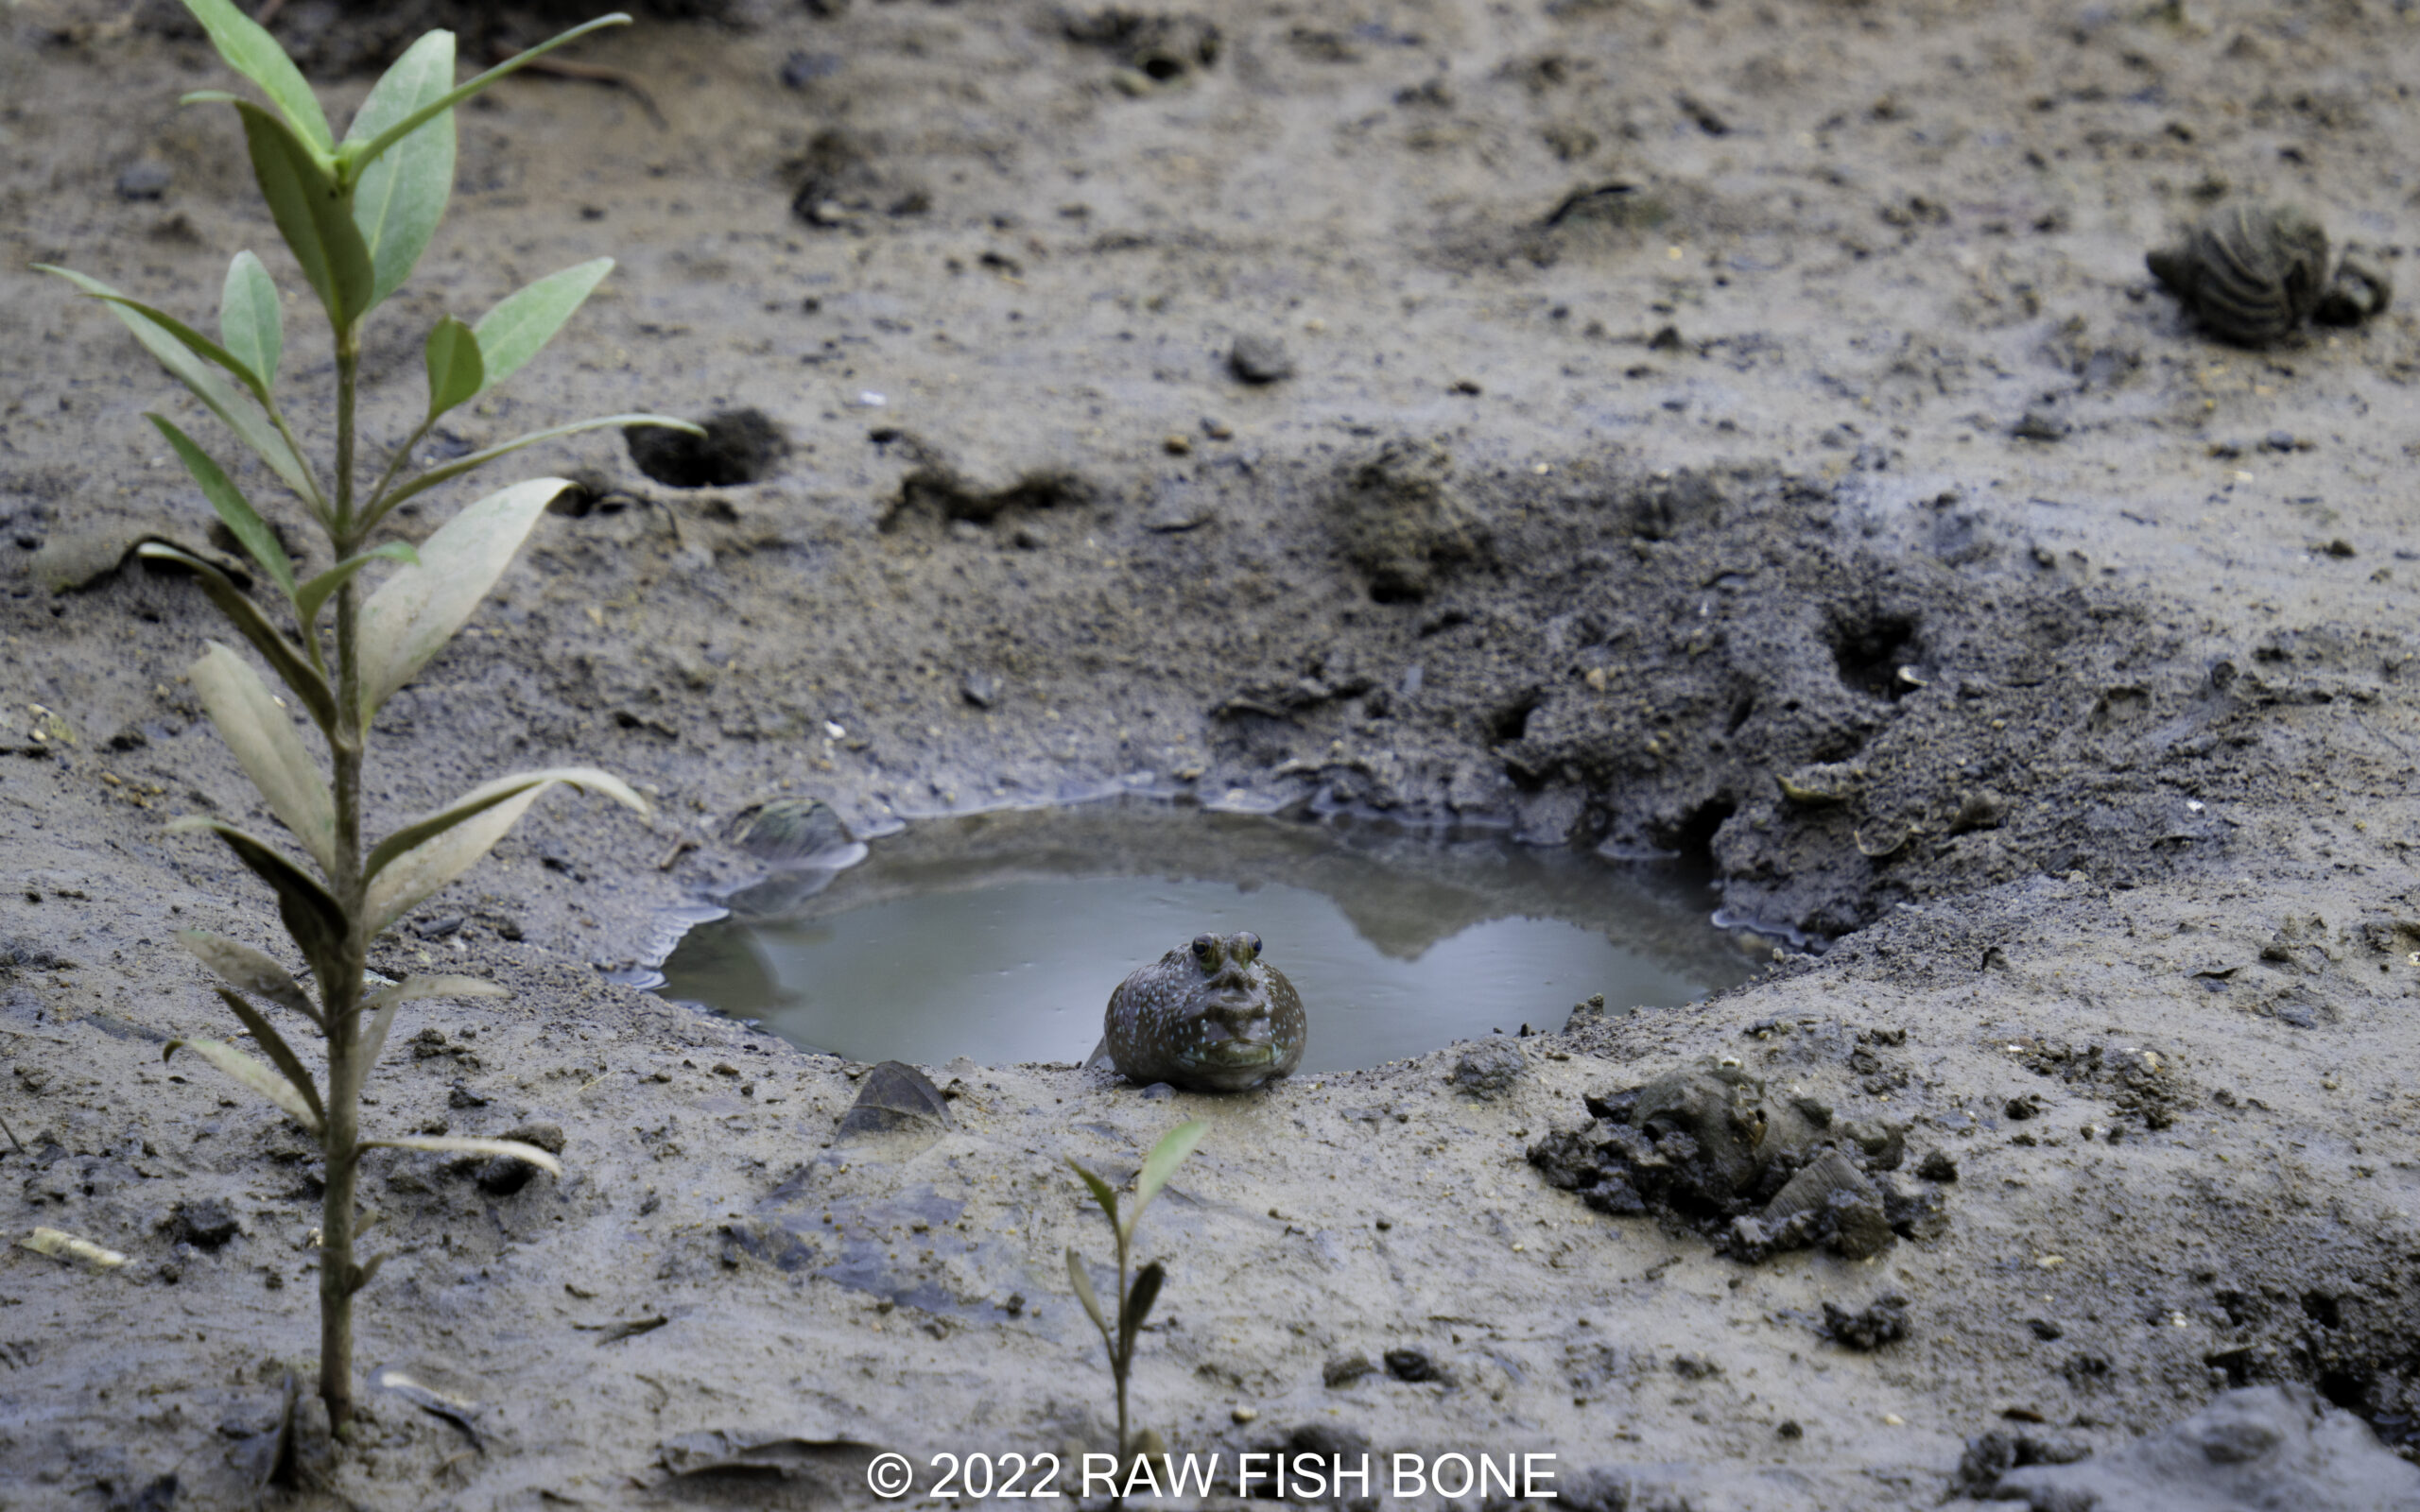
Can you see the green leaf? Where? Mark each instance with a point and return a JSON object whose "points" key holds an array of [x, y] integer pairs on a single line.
{"points": [[176, 345], [253, 1075], [243, 522], [453, 1147], [250, 51], [1161, 1164], [266, 745], [354, 156], [241, 967], [417, 611], [249, 322], [510, 334], [280, 1054], [1138, 1306], [281, 653], [310, 916], [457, 371], [402, 196], [455, 468], [424, 855], [313, 596], [313, 212], [1085, 1293], [1102, 1192]]}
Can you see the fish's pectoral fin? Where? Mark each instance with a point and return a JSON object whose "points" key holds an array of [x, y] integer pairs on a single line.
{"points": [[1099, 1058]]}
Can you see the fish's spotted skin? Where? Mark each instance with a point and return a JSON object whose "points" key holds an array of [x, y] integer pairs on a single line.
{"points": [[1210, 1016]]}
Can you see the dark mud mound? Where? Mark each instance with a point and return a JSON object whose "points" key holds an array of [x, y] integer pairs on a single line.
{"points": [[1703, 1147]]}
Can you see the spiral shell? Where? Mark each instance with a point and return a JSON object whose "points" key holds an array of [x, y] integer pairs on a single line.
{"points": [[2249, 273]]}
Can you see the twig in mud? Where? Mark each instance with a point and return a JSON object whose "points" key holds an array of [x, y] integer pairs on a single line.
{"points": [[17, 1144], [595, 74]]}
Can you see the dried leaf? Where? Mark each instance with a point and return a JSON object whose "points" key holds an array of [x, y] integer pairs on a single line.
{"points": [[455, 1146], [61, 1245]]}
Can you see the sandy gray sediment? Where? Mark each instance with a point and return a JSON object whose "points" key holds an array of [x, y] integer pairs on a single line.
{"points": [[1748, 436]]}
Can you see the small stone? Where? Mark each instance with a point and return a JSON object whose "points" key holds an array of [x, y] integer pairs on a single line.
{"points": [[981, 689], [1938, 1166], [144, 181], [800, 69], [1176, 443], [1159, 1091], [1789, 1429], [1218, 430], [1344, 1369], [1410, 1365], [2040, 423], [1256, 359], [1245, 1415]]}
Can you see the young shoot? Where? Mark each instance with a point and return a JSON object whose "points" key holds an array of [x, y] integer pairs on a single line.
{"points": [[1135, 1295], [357, 214]]}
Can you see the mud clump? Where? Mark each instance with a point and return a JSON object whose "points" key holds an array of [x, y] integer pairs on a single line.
{"points": [[1880, 1322], [1404, 522], [739, 446], [1488, 1070], [1701, 1146]]}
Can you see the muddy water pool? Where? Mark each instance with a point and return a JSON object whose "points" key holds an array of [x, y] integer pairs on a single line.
{"points": [[1000, 937]]}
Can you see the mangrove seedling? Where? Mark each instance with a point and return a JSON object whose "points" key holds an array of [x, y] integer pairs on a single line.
{"points": [[357, 213], [1134, 1295]]}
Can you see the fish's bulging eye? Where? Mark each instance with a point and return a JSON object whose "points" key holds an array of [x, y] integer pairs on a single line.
{"points": [[1205, 948], [1247, 948]]}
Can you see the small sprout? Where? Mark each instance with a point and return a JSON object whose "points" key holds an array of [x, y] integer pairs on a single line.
{"points": [[357, 213], [1135, 1297]]}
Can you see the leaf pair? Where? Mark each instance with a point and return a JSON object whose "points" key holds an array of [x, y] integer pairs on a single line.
{"points": [[358, 214], [1158, 1166], [466, 361]]}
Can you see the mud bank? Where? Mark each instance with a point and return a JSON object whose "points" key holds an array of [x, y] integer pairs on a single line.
{"points": [[1637, 465]]}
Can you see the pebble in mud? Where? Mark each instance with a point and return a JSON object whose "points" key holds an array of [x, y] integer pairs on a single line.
{"points": [[1257, 359]]}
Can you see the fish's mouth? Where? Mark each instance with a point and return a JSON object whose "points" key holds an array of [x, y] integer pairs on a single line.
{"points": [[1234, 1054]]}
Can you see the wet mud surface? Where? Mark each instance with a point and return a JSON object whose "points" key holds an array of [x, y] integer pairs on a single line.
{"points": [[1750, 433]]}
